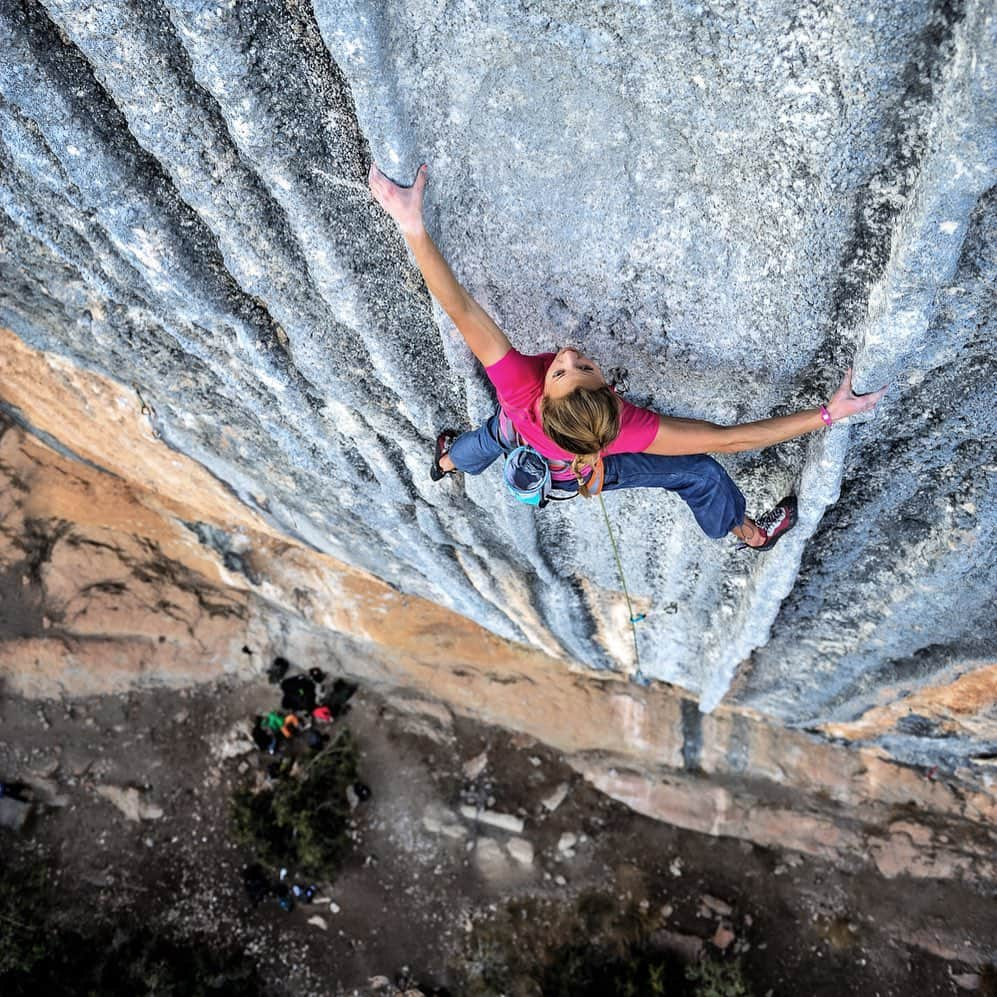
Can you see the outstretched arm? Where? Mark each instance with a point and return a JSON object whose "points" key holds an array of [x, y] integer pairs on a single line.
{"points": [[676, 437], [485, 339]]}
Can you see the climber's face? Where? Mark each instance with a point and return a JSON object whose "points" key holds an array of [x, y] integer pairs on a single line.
{"points": [[569, 370]]}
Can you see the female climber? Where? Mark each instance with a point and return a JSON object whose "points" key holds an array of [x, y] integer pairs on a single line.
{"points": [[561, 405]]}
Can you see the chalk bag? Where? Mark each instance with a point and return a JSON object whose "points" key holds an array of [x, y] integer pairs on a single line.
{"points": [[527, 476]]}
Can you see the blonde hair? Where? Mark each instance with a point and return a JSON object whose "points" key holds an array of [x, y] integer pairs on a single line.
{"points": [[583, 422]]}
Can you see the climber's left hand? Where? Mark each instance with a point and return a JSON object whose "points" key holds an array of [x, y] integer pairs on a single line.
{"points": [[844, 402]]}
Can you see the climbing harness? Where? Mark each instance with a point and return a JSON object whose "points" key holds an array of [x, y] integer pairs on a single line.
{"points": [[635, 618]]}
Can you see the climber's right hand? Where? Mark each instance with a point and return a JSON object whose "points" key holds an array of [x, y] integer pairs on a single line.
{"points": [[404, 204]]}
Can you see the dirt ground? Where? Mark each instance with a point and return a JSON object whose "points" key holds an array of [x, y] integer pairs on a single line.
{"points": [[428, 891]]}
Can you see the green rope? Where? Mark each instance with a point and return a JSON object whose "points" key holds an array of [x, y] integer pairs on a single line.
{"points": [[634, 619]]}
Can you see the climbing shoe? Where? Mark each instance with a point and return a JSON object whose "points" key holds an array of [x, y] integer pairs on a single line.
{"points": [[775, 523], [443, 442]]}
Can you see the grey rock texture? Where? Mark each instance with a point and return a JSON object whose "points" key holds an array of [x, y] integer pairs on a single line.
{"points": [[732, 202]]}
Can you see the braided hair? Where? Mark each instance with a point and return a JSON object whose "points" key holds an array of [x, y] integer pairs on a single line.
{"points": [[584, 422]]}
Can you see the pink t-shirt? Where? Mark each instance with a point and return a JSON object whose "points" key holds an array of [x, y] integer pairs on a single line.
{"points": [[519, 383]]}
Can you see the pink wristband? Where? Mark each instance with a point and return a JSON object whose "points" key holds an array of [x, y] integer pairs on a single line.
{"points": [[826, 416]]}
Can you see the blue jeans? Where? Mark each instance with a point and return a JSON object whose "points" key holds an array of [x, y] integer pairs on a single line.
{"points": [[715, 501]]}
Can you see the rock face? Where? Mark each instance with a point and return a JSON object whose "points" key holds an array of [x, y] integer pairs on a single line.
{"points": [[109, 584], [731, 204]]}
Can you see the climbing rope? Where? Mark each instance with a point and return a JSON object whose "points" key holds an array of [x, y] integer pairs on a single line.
{"points": [[634, 618]]}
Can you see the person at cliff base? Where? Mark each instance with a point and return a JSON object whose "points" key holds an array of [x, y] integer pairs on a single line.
{"points": [[560, 406], [19, 791]]}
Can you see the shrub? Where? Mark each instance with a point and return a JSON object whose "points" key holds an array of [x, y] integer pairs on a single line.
{"points": [[302, 822], [596, 948], [582, 971], [717, 979]]}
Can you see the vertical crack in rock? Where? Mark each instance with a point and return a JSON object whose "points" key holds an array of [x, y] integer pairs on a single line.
{"points": [[184, 139], [252, 323], [190, 250]]}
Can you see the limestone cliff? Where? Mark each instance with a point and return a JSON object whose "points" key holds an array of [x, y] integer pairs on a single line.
{"points": [[113, 585], [732, 202]]}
